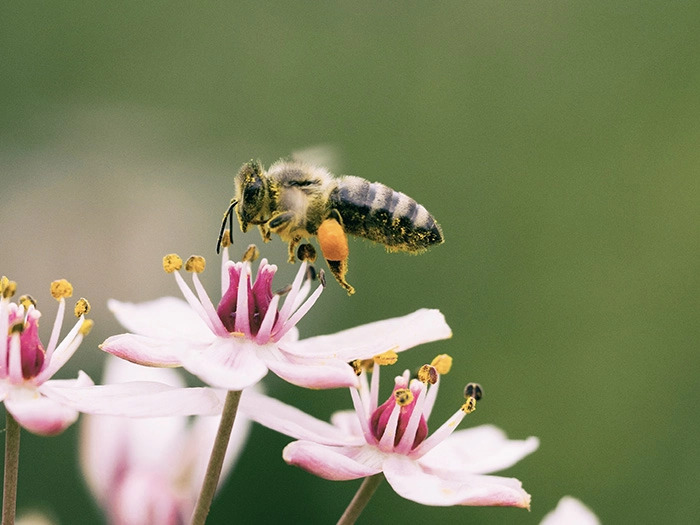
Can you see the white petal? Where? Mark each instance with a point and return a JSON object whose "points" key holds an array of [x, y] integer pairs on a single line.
{"points": [[348, 423], [39, 414], [478, 450], [122, 371], [135, 399], [317, 373], [164, 318], [293, 422], [570, 511], [226, 363], [410, 481], [143, 350], [366, 341], [334, 463]]}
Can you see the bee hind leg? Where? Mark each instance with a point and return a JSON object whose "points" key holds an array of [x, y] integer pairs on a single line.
{"points": [[334, 245]]}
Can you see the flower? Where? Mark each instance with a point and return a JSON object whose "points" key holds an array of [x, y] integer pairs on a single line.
{"points": [[47, 406], [233, 345], [570, 511], [150, 471], [442, 469]]}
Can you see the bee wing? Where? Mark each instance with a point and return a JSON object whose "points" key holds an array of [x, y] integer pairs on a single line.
{"points": [[320, 155]]}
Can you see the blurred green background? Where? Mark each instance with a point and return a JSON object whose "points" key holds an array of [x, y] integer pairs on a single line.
{"points": [[556, 142]]}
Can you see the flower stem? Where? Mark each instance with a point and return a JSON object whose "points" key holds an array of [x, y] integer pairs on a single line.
{"points": [[362, 497], [216, 460], [9, 493]]}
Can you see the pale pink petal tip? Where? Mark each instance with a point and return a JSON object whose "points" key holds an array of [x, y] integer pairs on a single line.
{"points": [[570, 511], [412, 482], [327, 462], [41, 415]]}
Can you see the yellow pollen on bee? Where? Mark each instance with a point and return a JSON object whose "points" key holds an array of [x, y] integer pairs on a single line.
{"points": [[226, 238], [386, 358], [442, 363], [7, 287], [82, 307], [251, 253], [61, 289], [86, 327], [403, 397], [428, 374], [27, 301], [172, 262], [195, 264]]}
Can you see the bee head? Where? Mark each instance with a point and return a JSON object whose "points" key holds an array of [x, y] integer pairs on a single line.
{"points": [[251, 193]]}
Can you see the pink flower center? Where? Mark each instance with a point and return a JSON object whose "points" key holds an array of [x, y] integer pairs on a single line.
{"points": [[380, 418], [259, 298], [31, 350]]}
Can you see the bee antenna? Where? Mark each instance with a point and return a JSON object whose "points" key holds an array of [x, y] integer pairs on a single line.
{"points": [[228, 215]]}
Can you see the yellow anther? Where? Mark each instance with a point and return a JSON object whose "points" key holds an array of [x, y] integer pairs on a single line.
{"points": [[82, 307], [442, 364], [7, 287], [171, 263], [356, 366], [473, 393], [403, 396], [86, 327], [251, 253], [195, 264], [469, 406], [306, 252], [61, 289], [387, 358], [27, 301], [427, 374], [226, 238]]}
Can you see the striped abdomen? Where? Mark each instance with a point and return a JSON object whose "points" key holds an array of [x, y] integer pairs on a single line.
{"points": [[376, 212]]}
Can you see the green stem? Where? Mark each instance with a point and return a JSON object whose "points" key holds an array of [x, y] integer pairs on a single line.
{"points": [[9, 492], [216, 460], [362, 497]]}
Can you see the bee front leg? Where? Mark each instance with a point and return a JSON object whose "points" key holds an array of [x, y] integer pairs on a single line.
{"points": [[264, 232], [292, 249]]}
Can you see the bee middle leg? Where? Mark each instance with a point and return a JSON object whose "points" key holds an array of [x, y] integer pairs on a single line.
{"points": [[264, 232]]}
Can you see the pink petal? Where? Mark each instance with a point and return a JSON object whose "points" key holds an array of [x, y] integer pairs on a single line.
{"points": [[39, 414], [570, 511], [366, 341], [478, 450], [144, 498], [293, 422], [348, 423], [143, 350], [135, 399], [164, 318], [320, 374], [410, 481], [334, 463], [229, 363]]}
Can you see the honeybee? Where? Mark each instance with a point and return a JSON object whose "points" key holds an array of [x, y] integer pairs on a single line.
{"points": [[297, 200]]}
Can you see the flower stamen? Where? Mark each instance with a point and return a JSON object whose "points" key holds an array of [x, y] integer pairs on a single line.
{"points": [[61, 289], [172, 263], [195, 264], [442, 363], [82, 307]]}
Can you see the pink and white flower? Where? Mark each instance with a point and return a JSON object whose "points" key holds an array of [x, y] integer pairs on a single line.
{"points": [[150, 471], [570, 511], [443, 469], [233, 345], [48, 406]]}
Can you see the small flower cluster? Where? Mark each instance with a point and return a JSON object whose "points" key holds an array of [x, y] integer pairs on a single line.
{"points": [[149, 471]]}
